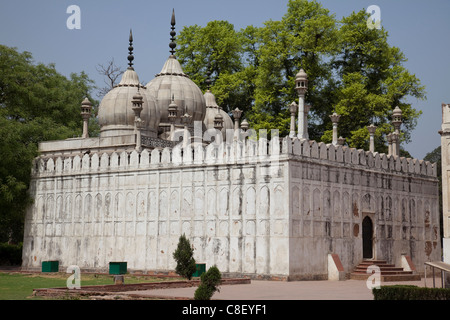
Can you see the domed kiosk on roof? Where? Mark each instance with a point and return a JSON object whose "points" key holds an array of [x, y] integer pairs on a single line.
{"points": [[213, 111], [172, 84]]}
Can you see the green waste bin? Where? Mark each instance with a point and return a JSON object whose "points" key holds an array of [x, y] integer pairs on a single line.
{"points": [[117, 268], [200, 269], [50, 266]]}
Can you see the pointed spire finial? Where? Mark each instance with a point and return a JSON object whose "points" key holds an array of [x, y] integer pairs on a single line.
{"points": [[130, 51], [172, 44], [172, 22]]}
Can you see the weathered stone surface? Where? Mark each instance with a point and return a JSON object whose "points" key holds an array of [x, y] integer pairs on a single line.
{"points": [[445, 160], [239, 214]]}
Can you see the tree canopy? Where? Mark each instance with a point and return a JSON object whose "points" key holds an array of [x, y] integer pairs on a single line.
{"points": [[351, 69], [36, 104]]}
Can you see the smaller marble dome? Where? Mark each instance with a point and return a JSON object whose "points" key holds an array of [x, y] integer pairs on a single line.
{"points": [[212, 110], [116, 116], [173, 82], [115, 113], [301, 75], [301, 82]]}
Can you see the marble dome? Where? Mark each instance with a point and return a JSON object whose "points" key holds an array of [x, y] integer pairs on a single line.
{"points": [[115, 114], [173, 83]]}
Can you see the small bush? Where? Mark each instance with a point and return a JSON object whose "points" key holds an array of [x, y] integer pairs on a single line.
{"points": [[184, 256], [408, 292], [210, 281], [10, 254]]}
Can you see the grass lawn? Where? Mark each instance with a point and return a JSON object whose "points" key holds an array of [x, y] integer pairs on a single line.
{"points": [[18, 286]]}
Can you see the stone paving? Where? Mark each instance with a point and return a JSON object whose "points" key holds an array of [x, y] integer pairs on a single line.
{"points": [[280, 290]]}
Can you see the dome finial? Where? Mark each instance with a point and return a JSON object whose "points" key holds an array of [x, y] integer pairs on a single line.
{"points": [[172, 44], [130, 51]]}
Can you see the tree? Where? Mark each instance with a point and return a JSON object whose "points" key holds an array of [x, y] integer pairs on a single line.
{"points": [[304, 38], [210, 281], [351, 70], [184, 256], [372, 81], [36, 104], [216, 48], [111, 73]]}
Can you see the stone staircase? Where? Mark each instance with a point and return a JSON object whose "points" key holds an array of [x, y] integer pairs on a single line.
{"points": [[389, 272]]}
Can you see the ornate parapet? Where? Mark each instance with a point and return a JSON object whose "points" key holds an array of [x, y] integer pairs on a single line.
{"points": [[357, 157], [233, 153], [165, 153]]}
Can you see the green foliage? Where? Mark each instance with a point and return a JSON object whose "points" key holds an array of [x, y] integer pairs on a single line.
{"points": [[184, 256], [36, 104], [220, 47], [373, 83], [10, 254], [351, 69], [19, 286], [434, 157], [210, 281], [408, 292]]}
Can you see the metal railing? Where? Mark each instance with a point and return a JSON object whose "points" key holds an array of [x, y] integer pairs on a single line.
{"points": [[444, 267]]}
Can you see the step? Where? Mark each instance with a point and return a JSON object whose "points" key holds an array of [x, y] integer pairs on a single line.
{"points": [[388, 278], [385, 272], [364, 269], [401, 277], [389, 272], [369, 263], [378, 263], [373, 261], [359, 276]]}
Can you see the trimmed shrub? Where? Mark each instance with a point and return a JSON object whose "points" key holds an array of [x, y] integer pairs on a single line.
{"points": [[10, 254], [184, 256], [209, 284], [408, 292]]}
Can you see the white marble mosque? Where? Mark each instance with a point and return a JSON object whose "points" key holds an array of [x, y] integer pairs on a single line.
{"points": [[169, 161]]}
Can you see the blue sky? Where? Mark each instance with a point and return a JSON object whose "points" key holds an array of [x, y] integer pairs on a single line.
{"points": [[421, 29]]}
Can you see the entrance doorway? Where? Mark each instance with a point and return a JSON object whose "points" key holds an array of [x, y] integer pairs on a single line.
{"points": [[367, 237]]}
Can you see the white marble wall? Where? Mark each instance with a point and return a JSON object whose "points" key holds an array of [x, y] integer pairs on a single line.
{"points": [[262, 208], [329, 203], [130, 207]]}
